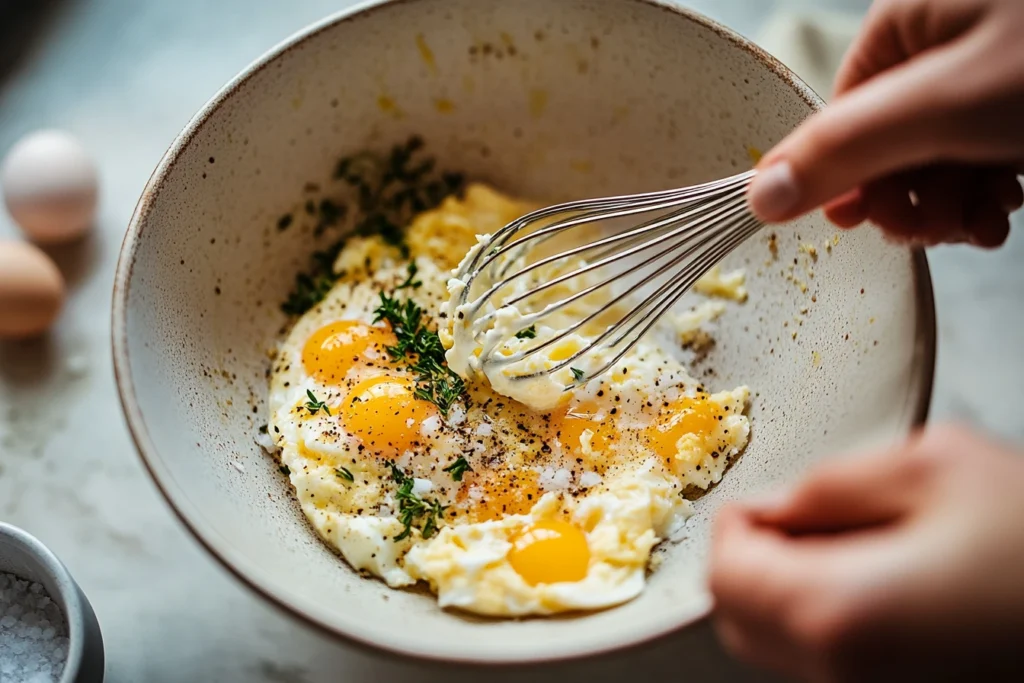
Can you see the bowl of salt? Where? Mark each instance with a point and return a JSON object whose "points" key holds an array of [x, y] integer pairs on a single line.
{"points": [[48, 630]]}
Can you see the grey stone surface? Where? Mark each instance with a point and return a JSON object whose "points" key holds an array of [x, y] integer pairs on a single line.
{"points": [[125, 76]]}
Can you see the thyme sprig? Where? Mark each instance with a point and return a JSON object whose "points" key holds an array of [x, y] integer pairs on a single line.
{"points": [[420, 348], [415, 512], [528, 333], [458, 468], [390, 189], [314, 406]]}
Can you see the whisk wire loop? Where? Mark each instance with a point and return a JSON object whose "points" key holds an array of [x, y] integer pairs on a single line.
{"points": [[644, 269]]}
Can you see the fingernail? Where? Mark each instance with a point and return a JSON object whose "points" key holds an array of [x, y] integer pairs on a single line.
{"points": [[774, 192]]}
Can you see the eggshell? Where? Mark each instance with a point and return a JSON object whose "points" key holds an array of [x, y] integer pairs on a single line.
{"points": [[31, 290], [50, 186]]}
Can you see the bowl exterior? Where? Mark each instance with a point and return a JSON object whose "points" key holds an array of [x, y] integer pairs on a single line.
{"points": [[25, 556], [547, 101]]}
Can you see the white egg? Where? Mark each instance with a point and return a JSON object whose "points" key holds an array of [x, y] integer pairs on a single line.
{"points": [[50, 186]]}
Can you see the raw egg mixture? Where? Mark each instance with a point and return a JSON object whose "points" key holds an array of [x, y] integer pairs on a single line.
{"points": [[503, 507]]}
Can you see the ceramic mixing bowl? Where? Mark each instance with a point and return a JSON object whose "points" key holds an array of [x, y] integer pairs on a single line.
{"points": [[544, 100]]}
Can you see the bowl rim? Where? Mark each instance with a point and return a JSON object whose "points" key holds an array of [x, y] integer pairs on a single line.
{"points": [[240, 567], [73, 603]]}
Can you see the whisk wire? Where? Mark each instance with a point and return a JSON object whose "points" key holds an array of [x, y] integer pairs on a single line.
{"points": [[692, 230]]}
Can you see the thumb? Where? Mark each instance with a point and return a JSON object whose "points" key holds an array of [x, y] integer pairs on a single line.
{"points": [[897, 120], [846, 494]]}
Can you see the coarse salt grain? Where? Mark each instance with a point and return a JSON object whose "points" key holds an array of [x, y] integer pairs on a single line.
{"points": [[33, 634]]}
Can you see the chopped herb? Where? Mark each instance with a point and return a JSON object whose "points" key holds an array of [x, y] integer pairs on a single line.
{"points": [[330, 215], [458, 468], [412, 508], [284, 470], [577, 373], [284, 222], [263, 429], [421, 349], [314, 406], [389, 190], [411, 281], [343, 473], [529, 333], [309, 291]]}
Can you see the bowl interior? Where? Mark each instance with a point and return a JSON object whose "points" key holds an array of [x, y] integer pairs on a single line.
{"points": [[547, 101]]}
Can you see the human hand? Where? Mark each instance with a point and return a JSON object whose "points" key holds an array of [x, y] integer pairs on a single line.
{"points": [[904, 565], [924, 136]]}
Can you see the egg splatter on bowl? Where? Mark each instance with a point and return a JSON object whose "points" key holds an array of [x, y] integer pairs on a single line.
{"points": [[414, 472]]}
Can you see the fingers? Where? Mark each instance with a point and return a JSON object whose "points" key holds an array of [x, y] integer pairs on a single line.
{"points": [[898, 119], [1006, 189], [895, 30], [848, 211], [936, 204], [847, 494]]}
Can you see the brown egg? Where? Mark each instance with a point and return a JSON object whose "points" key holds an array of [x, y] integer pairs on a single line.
{"points": [[31, 290]]}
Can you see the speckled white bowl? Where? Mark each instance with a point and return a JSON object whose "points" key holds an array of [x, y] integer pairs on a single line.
{"points": [[547, 100]]}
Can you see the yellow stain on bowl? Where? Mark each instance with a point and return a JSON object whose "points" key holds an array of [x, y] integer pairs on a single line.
{"points": [[507, 39], [815, 359], [755, 154], [426, 54], [538, 102], [581, 165], [620, 113], [389, 106], [468, 84], [444, 106]]}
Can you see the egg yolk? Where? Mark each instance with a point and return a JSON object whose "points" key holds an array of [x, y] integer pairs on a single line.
{"points": [[504, 493], [385, 415], [331, 351], [576, 420], [688, 415], [550, 551]]}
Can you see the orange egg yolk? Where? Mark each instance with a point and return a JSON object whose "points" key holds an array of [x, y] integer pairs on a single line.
{"points": [[504, 493], [550, 551], [335, 348], [688, 415], [578, 419], [385, 415]]}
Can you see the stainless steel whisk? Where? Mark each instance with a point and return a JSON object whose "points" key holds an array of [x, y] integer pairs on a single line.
{"points": [[654, 263]]}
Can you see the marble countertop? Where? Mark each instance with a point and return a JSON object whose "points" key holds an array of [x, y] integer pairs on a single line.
{"points": [[125, 76]]}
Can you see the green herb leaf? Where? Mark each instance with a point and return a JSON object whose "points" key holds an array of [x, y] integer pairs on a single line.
{"points": [[329, 216], [413, 510], [389, 191], [284, 470], [314, 406], [529, 333], [422, 351], [458, 468], [410, 281], [577, 373], [344, 473]]}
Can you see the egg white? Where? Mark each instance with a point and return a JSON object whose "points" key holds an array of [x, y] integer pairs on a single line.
{"points": [[624, 497]]}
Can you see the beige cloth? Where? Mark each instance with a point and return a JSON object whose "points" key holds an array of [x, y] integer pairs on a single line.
{"points": [[811, 43]]}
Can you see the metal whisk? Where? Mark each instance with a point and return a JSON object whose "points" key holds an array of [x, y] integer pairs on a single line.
{"points": [[641, 269]]}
